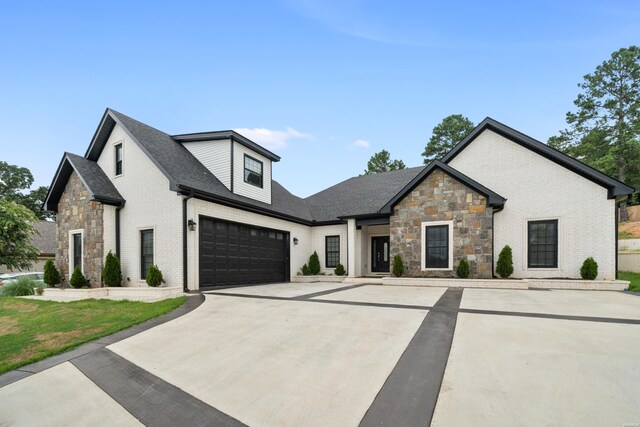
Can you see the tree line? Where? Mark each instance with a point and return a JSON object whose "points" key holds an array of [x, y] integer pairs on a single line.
{"points": [[602, 131]]}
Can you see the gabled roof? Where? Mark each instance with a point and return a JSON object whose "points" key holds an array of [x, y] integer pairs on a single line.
{"points": [[493, 199], [359, 196], [615, 188], [92, 176], [45, 237], [226, 134]]}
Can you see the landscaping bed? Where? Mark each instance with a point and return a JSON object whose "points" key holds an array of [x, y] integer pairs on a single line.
{"points": [[31, 330]]}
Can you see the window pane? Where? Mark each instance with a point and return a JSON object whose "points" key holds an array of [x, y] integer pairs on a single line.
{"points": [[332, 253], [252, 171], [543, 244], [119, 159], [437, 246], [77, 250], [146, 253]]}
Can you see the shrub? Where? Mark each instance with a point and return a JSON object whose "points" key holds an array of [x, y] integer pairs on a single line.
{"points": [[111, 272], [589, 269], [51, 274], [22, 287], [77, 278], [314, 264], [305, 270], [154, 276], [462, 270], [504, 266], [339, 271], [397, 266]]}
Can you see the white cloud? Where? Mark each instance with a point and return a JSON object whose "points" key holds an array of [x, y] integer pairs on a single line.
{"points": [[361, 143], [273, 139]]}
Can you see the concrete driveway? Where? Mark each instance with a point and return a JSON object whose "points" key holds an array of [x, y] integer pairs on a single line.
{"points": [[348, 355]]}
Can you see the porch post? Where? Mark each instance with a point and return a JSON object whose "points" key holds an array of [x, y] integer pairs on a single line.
{"points": [[351, 247]]}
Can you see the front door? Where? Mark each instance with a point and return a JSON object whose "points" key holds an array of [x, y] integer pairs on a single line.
{"points": [[380, 254]]}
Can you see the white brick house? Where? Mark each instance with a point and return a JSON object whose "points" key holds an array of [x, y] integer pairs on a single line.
{"points": [[204, 208]]}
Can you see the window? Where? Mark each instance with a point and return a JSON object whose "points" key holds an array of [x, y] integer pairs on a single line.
{"points": [[146, 252], [77, 250], [252, 171], [332, 251], [118, 159], [542, 244], [437, 245]]}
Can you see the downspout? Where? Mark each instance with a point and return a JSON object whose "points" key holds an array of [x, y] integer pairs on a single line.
{"points": [[185, 230]]}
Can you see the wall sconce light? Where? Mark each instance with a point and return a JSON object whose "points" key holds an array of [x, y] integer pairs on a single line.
{"points": [[192, 225], [295, 240]]}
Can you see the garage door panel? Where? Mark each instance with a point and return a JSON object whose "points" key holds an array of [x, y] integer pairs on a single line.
{"points": [[233, 254]]}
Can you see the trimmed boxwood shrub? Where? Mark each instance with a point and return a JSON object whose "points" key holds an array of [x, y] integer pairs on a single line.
{"points": [[339, 271], [314, 264], [589, 269], [154, 276], [397, 266], [51, 274], [111, 272], [305, 270], [462, 270], [77, 279], [504, 267]]}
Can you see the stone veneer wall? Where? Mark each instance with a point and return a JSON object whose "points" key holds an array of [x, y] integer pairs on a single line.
{"points": [[75, 212], [440, 197]]}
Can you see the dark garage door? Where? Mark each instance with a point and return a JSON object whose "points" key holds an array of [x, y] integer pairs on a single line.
{"points": [[239, 254]]}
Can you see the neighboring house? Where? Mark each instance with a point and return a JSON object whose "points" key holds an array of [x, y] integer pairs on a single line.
{"points": [[203, 207], [46, 241]]}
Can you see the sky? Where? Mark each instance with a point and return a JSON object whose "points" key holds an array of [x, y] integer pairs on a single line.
{"points": [[323, 84]]}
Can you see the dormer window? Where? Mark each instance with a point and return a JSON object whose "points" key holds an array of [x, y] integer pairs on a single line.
{"points": [[252, 171], [119, 159]]}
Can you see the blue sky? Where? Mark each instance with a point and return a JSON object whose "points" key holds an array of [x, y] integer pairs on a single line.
{"points": [[324, 84]]}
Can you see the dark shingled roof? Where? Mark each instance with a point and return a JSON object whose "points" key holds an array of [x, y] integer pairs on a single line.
{"points": [[99, 185], [45, 239], [359, 196]]}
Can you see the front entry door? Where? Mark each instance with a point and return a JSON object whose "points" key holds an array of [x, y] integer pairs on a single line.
{"points": [[380, 254]]}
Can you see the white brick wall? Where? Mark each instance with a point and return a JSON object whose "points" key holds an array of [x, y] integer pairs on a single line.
{"points": [[149, 204], [537, 188], [318, 243]]}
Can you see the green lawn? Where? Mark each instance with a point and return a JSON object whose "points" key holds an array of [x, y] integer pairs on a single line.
{"points": [[31, 330], [634, 278]]}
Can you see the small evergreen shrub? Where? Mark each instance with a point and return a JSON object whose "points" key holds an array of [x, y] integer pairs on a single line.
{"points": [[589, 269], [504, 267], [51, 274], [154, 276], [111, 272], [22, 287], [305, 270], [77, 279], [397, 266], [339, 271], [462, 270], [314, 264]]}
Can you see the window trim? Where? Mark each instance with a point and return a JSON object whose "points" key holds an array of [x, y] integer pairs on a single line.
{"points": [[244, 170], [557, 243], [72, 248], [326, 250], [423, 257], [153, 254], [120, 145]]}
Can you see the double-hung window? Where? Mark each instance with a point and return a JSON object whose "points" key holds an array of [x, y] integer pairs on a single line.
{"points": [[252, 171], [332, 251], [118, 159], [437, 245], [542, 244]]}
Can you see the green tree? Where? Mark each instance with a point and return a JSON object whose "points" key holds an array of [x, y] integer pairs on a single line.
{"points": [[51, 274], [381, 162], [314, 264], [504, 267], [14, 180], [111, 272], [16, 228], [610, 104], [451, 130]]}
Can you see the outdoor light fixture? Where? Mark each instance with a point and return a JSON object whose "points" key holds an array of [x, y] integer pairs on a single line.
{"points": [[192, 225], [295, 240]]}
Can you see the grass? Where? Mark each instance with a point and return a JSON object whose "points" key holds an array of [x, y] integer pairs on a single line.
{"points": [[626, 235], [32, 330], [634, 278]]}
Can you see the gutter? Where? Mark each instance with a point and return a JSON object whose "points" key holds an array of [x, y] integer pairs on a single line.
{"points": [[185, 230]]}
